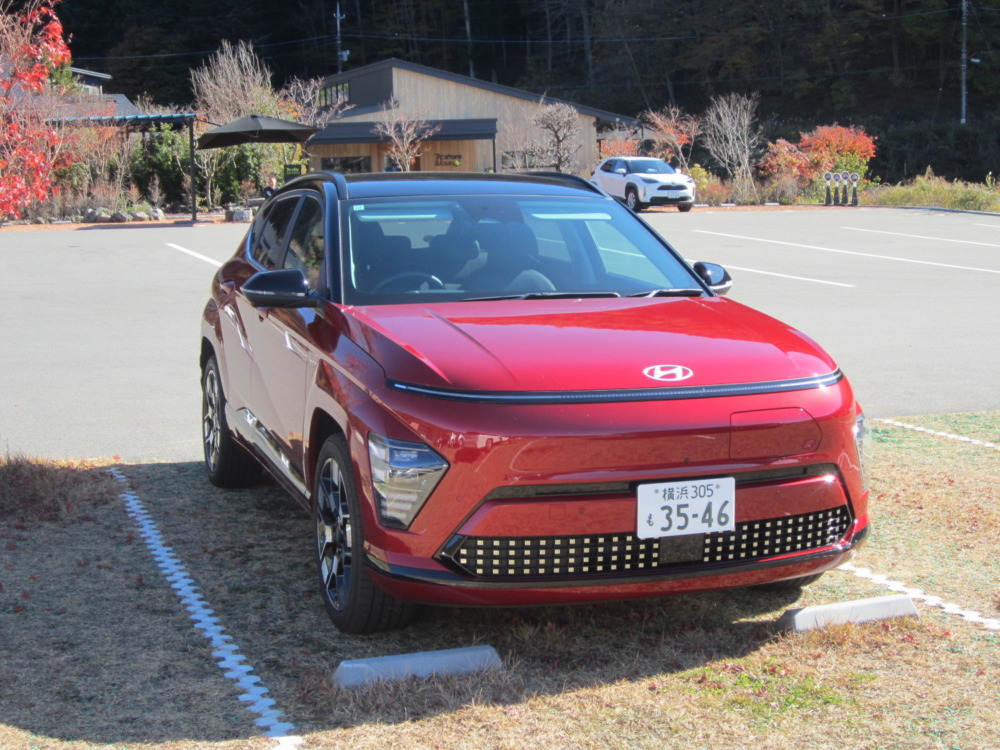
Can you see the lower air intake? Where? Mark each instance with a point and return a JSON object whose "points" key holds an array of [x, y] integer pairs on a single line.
{"points": [[612, 555]]}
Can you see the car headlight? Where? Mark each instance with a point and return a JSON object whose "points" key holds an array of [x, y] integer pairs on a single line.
{"points": [[403, 477], [865, 445], [649, 180]]}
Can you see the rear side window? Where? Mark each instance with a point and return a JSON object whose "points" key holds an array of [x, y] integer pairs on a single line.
{"points": [[306, 246], [273, 231]]}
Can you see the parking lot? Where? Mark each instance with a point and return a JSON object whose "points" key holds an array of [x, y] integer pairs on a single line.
{"points": [[101, 360], [101, 354]]}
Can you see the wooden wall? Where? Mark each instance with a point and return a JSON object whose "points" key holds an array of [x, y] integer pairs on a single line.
{"points": [[430, 98]]}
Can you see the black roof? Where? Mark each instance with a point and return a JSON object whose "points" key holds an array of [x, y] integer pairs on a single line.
{"points": [[389, 184]]}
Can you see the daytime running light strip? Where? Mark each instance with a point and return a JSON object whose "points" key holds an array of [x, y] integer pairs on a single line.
{"points": [[233, 664], [675, 393]]}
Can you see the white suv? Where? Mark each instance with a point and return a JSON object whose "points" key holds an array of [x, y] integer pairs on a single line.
{"points": [[642, 181]]}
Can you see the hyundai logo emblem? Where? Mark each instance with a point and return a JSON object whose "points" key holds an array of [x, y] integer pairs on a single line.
{"points": [[668, 373]]}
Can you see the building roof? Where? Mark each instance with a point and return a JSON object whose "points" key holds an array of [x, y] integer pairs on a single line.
{"points": [[353, 131], [599, 114], [138, 122]]}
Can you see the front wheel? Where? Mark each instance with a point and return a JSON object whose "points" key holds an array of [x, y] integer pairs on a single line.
{"points": [[351, 599], [685, 207], [632, 199]]}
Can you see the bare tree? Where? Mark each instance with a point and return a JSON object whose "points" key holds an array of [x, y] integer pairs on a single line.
{"points": [[561, 125], [674, 133], [732, 136], [404, 132], [231, 84], [301, 99]]}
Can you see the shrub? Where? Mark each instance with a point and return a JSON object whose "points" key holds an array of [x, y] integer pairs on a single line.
{"points": [[834, 147], [931, 190], [709, 189]]}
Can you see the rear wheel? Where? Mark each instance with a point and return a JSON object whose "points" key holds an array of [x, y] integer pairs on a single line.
{"points": [[227, 464], [685, 207], [351, 599]]}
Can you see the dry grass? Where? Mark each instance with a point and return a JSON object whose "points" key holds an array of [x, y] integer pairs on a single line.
{"points": [[122, 666], [936, 505], [34, 491]]}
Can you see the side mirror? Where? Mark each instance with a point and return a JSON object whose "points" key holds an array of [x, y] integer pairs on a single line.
{"points": [[286, 288], [715, 276], [621, 170]]}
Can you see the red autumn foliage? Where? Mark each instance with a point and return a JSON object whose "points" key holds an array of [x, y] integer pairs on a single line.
{"points": [[32, 45], [785, 159], [834, 143], [619, 147]]}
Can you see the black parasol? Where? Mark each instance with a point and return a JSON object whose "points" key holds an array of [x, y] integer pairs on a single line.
{"points": [[255, 129]]}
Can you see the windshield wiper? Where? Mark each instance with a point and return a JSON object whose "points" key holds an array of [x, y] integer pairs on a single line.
{"points": [[670, 293], [545, 295]]}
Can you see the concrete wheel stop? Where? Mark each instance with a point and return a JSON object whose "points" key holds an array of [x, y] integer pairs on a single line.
{"points": [[858, 611], [354, 673]]}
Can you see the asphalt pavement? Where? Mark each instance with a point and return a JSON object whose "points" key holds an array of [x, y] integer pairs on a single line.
{"points": [[100, 341]]}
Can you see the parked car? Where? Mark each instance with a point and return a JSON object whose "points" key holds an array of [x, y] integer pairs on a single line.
{"points": [[642, 181], [509, 390]]}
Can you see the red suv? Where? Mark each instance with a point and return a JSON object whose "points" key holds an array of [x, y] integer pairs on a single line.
{"points": [[509, 390]]}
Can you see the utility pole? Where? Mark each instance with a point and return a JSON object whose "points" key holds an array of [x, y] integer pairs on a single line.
{"points": [[468, 37], [340, 54], [965, 57]]}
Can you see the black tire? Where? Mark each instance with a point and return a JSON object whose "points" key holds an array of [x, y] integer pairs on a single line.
{"points": [[227, 464], [351, 599], [685, 207], [789, 584], [632, 199]]}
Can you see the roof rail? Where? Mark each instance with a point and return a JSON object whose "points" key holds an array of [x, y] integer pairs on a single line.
{"points": [[323, 175], [572, 179]]}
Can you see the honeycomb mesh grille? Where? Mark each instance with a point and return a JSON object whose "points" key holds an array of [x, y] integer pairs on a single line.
{"points": [[611, 555]]}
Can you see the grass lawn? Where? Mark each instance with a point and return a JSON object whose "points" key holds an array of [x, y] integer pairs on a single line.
{"points": [[97, 652]]}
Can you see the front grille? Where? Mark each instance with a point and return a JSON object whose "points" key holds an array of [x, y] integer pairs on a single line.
{"points": [[612, 555], [671, 187]]}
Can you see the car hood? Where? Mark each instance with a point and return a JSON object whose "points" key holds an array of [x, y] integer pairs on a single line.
{"points": [[668, 178], [582, 344]]}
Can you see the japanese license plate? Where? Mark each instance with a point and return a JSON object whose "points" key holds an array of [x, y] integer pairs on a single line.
{"points": [[689, 507]]}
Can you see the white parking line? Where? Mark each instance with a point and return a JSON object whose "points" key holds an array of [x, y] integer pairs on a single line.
{"points": [[786, 276], [850, 252], [937, 433], [193, 254], [922, 237], [970, 615], [233, 664]]}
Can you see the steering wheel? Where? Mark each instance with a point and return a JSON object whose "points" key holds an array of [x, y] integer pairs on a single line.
{"points": [[419, 277]]}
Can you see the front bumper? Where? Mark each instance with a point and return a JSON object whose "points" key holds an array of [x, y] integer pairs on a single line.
{"points": [[666, 195], [445, 587]]}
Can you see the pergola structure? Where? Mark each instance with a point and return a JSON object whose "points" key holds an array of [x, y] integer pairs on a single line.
{"points": [[143, 124]]}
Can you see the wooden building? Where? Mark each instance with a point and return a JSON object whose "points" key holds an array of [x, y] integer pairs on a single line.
{"points": [[478, 126]]}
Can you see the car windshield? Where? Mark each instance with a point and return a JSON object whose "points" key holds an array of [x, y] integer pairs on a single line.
{"points": [[454, 248], [650, 166]]}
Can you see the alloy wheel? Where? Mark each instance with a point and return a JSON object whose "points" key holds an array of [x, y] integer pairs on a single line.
{"points": [[211, 421], [333, 534]]}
